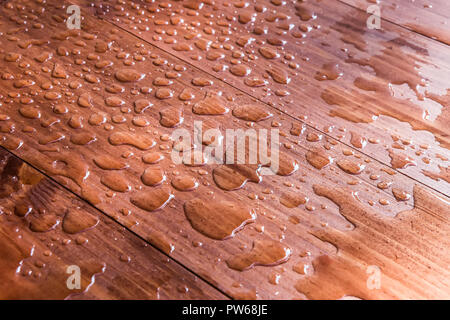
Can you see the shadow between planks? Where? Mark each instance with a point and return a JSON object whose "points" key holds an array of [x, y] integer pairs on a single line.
{"points": [[62, 231], [380, 74], [429, 18], [168, 229]]}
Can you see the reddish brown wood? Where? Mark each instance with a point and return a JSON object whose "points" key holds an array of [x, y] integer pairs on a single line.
{"points": [[305, 40], [60, 230], [310, 228], [429, 18]]}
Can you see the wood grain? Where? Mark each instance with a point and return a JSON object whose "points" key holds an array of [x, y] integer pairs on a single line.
{"points": [[292, 209], [61, 230], [429, 18], [380, 75]]}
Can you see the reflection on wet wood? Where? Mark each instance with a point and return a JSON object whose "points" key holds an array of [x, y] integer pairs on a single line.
{"points": [[322, 66], [95, 109], [46, 233], [426, 17]]}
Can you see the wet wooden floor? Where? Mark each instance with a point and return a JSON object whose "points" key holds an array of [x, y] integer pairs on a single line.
{"points": [[357, 207]]}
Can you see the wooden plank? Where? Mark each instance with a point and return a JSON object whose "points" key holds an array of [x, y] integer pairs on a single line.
{"points": [[284, 219], [45, 230], [429, 18], [380, 74]]}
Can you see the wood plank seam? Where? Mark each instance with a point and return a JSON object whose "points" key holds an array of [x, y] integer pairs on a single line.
{"points": [[116, 222], [399, 25], [272, 107], [247, 95], [295, 119], [343, 99]]}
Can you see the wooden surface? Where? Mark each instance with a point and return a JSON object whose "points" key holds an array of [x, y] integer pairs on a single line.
{"points": [[388, 64], [68, 111], [429, 18], [61, 230]]}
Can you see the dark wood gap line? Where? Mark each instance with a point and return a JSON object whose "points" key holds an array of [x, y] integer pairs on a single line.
{"points": [[398, 25], [115, 221], [384, 191], [274, 108]]}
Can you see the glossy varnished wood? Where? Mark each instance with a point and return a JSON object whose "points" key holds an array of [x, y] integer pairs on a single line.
{"points": [[308, 230], [308, 36], [38, 249], [429, 18]]}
